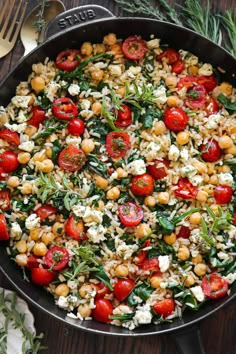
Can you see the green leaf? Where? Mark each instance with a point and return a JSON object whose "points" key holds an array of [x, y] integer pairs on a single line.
{"points": [[167, 227], [226, 102], [103, 277], [56, 149], [142, 290], [124, 317], [97, 166]]}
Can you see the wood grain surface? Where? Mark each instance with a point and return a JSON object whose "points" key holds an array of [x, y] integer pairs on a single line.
{"points": [[218, 331]]}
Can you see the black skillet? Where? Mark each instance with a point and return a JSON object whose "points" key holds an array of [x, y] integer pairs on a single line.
{"points": [[70, 30]]}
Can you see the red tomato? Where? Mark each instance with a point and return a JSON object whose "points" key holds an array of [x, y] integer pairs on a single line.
{"points": [[10, 136], [124, 116], [214, 287], [196, 97], [178, 66], [175, 119], [150, 264], [134, 48], [41, 276], [57, 258], [223, 194], [184, 232], [157, 170], [3, 175], [102, 290], [76, 127], [8, 161], [187, 81], [211, 107], [130, 214], [185, 189], [234, 218], [44, 211], [3, 228], [210, 152], [4, 200], [75, 229], [71, 158], [68, 59], [140, 257], [123, 288], [103, 309], [33, 261], [37, 116], [164, 307], [64, 108], [209, 82], [117, 144], [171, 55], [142, 185]]}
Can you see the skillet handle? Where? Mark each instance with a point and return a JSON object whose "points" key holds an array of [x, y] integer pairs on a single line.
{"points": [[189, 341], [76, 17]]}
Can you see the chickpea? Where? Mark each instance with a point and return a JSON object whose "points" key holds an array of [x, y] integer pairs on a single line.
{"points": [[193, 70], [206, 178], [224, 169], [97, 74], [85, 290], [210, 169], [87, 145], [142, 230], [215, 209], [200, 269], [159, 128], [183, 253], [189, 280], [113, 193], [209, 189], [170, 239], [21, 260], [38, 84], [47, 238], [23, 157], [155, 282], [231, 150], [58, 229], [39, 156], [171, 81], [226, 88], [99, 48], [49, 152], [225, 142], [110, 39], [45, 166], [96, 108], [163, 197], [197, 259], [40, 249], [121, 91], [121, 172], [84, 310], [26, 188], [202, 196], [86, 49], [34, 234], [101, 182], [13, 181], [30, 130], [100, 206], [150, 201], [121, 271], [232, 130], [195, 218], [62, 290], [21, 246], [172, 101], [182, 138], [213, 180], [200, 166], [116, 49]]}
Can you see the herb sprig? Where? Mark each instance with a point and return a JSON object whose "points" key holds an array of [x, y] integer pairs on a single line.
{"points": [[40, 23]]}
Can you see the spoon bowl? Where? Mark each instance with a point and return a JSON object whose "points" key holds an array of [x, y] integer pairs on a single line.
{"points": [[28, 34]]}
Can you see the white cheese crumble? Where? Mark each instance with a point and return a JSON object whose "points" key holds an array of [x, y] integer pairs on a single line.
{"points": [[15, 230], [196, 180], [32, 222], [21, 101], [206, 69], [115, 70], [213, 121], [164, 263], [151, 150], [21, 118], [89, 215], [188, 170], [136, 167], [96, 234], [153, 43], [74, 89], [198, 293], [51, 90], [27, 146], [225, 178], [173, 154], [19, 128], [160, 94]]}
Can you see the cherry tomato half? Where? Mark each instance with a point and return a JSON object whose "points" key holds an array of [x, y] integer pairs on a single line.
{"points": [[57, 258], [71, 158], [123, 288], [157, 168], [184, 232], [234, 218], [171, 55], [142, 185], [175, 119], [209, 82], [210, 152], [117, 144], [187, 82], [102, 290], [150, 264], [103, 309], [211, 107], [185, 189], [196, 97], [37, 116], [178, 66], [134, 48], [10, 136], [223, 194], [44, 211], [124, 116], [42, 277], [130, 214], [4, 200], [4, 235], [8, 161], [33, 261], [214, 287], [64, 108], [75, 229], [68, 60], [76, 127], [164, 307]]}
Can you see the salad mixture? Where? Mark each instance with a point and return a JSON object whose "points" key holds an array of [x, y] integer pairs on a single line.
{"points": [[117, 176]]}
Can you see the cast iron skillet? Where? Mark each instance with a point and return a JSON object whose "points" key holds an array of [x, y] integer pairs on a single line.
{"points": [[71, 36]]}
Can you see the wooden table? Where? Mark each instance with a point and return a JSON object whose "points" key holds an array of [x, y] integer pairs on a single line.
{"points": [[218, 331]]}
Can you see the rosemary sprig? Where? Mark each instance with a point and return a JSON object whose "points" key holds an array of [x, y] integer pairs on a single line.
{"points": [[229, 23], [40, 23], [171, 13], [143, 7]]}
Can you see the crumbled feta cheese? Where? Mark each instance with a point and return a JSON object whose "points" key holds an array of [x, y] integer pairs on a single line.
{"points": [[74, 89], [213, 121], [198, 293], [124, 250], [153, 43], [184, 154], [225, 178], [62, 302], [136, 167], [21, 101], [21, 118], [133, 71], [160, 94], [51, 90], [19, 128], [206, 69], [96, 234], [85, 104], [230, 278], [75, 140], [32, 222], [151, 150], [188, 170], [115, 70], [196, 180], [173, 154], [89, 215], [15, 230], [164, 263], [222, 255], [143, 314], [27, 146]]}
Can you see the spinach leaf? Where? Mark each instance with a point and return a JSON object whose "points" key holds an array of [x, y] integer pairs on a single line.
{"points": [[50, 126], [186, 298], [43, 101], [142, 290], [166, 226], [124, 317], [97, 166], [103, 277], [97, 126], [23, 205], [149, 116], [160, 249], [226, 102], [94, 190], [56, 149]]}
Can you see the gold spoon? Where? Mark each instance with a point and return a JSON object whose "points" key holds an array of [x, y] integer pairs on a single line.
{"points": [[28, 34]]}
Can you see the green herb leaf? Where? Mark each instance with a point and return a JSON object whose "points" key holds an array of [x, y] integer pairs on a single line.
{"points": [[97, 166], [142, 290], [226, 102]]}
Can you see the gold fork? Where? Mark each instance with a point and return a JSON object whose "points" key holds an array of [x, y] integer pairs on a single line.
{"points": [[8, 35]]}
